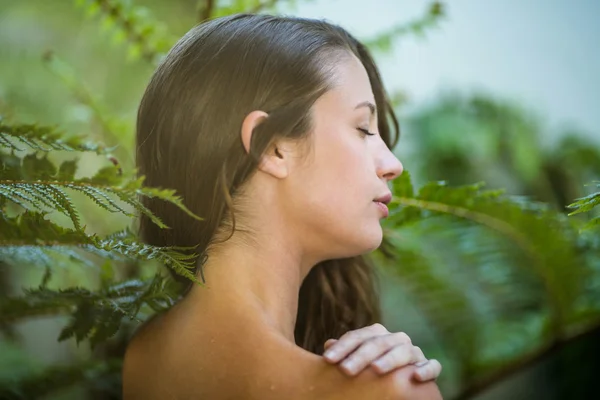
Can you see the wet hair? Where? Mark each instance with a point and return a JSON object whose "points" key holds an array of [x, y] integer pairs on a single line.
{"points": [[188, 139]]}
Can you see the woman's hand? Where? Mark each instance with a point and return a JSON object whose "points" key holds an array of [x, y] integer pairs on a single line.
{"points": [[384, 351]]}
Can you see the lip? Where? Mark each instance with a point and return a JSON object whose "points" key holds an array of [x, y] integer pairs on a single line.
{"points": [[382, 207], [385, 199]]}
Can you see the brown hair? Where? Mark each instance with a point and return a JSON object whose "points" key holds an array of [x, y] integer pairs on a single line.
{"points": [[188, 139]]}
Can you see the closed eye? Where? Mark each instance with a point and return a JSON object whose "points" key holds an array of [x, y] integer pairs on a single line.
{"points": [[366, 131]]}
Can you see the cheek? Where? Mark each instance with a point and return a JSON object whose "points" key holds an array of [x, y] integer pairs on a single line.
{"points": [[344, 184], [334, 206], [343, 172]]}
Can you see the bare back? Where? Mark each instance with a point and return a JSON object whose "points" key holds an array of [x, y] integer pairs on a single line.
{"points": [[180, 356]]}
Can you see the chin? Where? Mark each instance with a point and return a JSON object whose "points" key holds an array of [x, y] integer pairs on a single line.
{"points": [[372, 241]]}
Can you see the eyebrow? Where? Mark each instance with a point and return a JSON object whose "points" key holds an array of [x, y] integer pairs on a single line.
{"points": [[366, 104]]}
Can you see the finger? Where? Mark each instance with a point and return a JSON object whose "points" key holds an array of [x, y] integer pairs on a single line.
{"points": [[419, 356], [349, 341], [428, 371], [328, 343], [370, 350], [398, 357]]}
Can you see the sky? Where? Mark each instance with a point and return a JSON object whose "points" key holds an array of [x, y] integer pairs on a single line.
{"points": [[544, 54]]}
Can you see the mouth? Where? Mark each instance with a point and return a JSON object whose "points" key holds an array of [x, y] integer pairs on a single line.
{"points": [[383, 208], [381, 203]]}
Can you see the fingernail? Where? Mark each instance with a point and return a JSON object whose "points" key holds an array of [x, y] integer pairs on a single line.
{"points": [[349, 365], [381, 364], [421, 374], [331, 354]]}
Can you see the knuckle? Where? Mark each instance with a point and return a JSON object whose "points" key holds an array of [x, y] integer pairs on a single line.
{"points": [[403, 337], [349, 335], [378, 327], [398, 356], [367, 347], [418, 353]]}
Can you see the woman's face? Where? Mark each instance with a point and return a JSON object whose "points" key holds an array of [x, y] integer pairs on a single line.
{"points": [[332, 189]]}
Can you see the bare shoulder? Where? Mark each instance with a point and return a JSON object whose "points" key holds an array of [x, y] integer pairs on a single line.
{"points": [[139, 363], [251, 364], [309, 376]]}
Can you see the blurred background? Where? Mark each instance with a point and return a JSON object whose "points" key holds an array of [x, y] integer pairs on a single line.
{"points": [[499, 91]]}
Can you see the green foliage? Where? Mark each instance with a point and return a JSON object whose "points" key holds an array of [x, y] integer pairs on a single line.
{"points": [[43, 138], [35, 184], [586, 204], [29, 237], [479, 263], [146, 37], [498, 278], [95, 315]]}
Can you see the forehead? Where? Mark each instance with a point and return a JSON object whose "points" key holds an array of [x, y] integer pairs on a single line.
{"points": [[350, 86]]}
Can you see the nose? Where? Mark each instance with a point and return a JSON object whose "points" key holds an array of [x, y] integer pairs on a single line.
{"points": [[389, 167]]}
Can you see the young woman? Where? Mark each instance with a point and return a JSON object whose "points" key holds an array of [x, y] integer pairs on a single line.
{"points": [[277, 131]]}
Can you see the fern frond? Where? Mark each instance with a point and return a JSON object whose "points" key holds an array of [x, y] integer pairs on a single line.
{"points": [[31, 228], [34, 233], [45, 138], [545, 237], [95, 315], [586, 204], [46, 193], [182, 264], [100, 197]]}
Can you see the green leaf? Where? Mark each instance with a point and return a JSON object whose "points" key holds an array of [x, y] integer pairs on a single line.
{"points": [[23, 236], [67, 170], [43, 138]]}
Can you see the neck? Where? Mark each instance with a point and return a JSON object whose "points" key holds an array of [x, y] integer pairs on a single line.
{"points": [[261, 280]]}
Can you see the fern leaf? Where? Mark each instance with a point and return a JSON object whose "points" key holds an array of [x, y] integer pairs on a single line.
{"points": [[45, 138], [99, 197], [183, 265], [95, 315], [49, 195], [586, 204], [533, 229], [32, 229]]}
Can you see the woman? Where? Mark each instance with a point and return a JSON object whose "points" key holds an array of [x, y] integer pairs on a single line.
{"points": [[275, 130]]}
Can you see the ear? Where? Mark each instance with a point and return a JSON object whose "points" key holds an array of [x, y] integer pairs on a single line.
{"points": [[273, 161]]}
